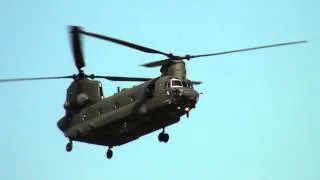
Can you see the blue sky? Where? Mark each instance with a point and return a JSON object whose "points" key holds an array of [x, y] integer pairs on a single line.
{"points": [[258, 118]]}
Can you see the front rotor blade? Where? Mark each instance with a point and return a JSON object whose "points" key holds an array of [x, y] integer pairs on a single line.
{"points": [[31, 79], [246, 49], [124, 43], [121, 78], [196, 82], [76, 47], [177, 58], [156, 63]]}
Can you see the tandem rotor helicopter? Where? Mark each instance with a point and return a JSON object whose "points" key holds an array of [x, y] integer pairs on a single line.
{"points": [[130, 113]]}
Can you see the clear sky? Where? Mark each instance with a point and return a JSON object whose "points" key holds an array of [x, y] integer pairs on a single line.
{"points": [[258, 118]]}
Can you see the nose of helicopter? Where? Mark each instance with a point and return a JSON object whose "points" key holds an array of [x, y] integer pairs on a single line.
{"points": [[185, 99], [187, 94], [190, 94]]}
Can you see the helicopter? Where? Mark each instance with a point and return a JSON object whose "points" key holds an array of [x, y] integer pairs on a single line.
{"points": [[130, 113]]}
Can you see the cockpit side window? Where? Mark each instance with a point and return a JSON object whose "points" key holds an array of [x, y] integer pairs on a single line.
{"points": [[189, 84], [185, 84]]}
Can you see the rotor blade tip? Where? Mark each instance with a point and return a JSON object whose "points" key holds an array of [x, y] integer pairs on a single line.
{"points": [[304, 41], [145, 65]]}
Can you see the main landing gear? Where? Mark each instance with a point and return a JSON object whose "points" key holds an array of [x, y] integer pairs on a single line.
{"points": [[163, 137], [109, 153], [69, 146]]}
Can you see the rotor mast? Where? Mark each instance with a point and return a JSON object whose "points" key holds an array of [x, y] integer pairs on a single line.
{"points": [[176, 69]]}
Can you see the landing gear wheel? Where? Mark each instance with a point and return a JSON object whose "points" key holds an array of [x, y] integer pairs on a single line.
{"points": [[160, 137], [163, 137], [109, 153], [69, 146]]}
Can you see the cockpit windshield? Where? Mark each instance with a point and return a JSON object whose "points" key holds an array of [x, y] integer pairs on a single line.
{"points": [[176, 83]]}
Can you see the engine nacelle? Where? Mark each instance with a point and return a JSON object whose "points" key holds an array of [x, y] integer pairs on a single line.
{"points": [[82, 93]]}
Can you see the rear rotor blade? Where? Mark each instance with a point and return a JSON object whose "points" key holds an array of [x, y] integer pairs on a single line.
{"points": [[31, 79], [76, 47], [124, 43], [188, 57]]}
